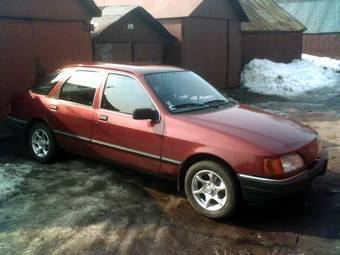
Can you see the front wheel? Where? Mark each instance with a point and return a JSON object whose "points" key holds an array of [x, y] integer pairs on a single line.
{"points": [[211, 189], [42, 143]]}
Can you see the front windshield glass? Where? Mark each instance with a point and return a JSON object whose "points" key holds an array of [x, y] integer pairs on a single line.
{"points": [[185, 91]]}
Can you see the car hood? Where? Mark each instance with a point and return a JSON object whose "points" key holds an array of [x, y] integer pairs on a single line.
{"points": [[272, 133]]}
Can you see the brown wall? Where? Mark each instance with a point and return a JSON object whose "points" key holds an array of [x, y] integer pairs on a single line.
{"points": [[173, 51], [205, 49], [143, 31], [322, 45], [144, 44], [234, 54], [34, 47], [211, 47], [217, 9], [44, 9], [129, 52], [174, 27], [276, 46]]}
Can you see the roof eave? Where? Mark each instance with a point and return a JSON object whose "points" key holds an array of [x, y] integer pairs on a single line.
{"points": [[148, 16], [93, 9], [242, 14], [273, 31]]}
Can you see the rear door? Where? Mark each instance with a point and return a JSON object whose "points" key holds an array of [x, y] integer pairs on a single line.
{"points": [[71, 110], [119, 137]]}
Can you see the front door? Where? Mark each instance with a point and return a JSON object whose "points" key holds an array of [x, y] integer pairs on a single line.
{"points": [[119, 137]]}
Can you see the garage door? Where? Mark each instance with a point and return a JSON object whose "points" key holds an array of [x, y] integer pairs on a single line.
{"points": [[205, 49], [144, 53], [113, 52], [148, 53]]}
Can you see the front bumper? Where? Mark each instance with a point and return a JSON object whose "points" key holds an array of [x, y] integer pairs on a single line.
{"points": [[258, 190]]}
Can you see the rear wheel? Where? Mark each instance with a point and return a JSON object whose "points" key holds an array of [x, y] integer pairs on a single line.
{"points": [[211, 189], [42, 143]]}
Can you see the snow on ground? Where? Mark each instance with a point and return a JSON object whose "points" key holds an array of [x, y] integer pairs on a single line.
{"points": [[11, 177], [324, 62], [293, 79]]}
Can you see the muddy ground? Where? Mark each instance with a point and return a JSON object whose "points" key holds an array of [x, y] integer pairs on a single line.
{"points": [[82, 206]]}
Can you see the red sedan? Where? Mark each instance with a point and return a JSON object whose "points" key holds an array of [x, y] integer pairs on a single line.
{"points": [[172, 123]]}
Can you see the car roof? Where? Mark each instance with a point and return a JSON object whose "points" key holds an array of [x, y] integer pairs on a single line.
{"points": [[135, 69]]}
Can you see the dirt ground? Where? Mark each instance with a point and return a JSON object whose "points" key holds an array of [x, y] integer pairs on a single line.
{"points": [[82, 206]]}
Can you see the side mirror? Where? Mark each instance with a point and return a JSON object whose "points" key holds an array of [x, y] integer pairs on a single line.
{"points": [[146, 114]]}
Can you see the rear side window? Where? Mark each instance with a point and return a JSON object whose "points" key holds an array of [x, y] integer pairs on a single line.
{"points": [[48, 83], [124, 94], [81, 87]]}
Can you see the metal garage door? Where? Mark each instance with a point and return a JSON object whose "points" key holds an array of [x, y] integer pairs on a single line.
{"points": [[144, 53], [205, 49]]}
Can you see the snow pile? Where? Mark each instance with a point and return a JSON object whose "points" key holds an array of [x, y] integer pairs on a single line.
{"points": [[11, 177], [295, 78], [324, 62]]}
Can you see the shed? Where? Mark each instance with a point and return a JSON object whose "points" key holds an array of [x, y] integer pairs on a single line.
{"points": [[39, 36], [322, 20], [129, 34], [207, 33], [271, 33]]}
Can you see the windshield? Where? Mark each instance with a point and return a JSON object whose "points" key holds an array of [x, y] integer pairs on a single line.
{"points": [[185, 91]]}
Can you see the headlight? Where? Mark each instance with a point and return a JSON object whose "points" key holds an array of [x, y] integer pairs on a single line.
{"points": [[283, 165], [318, 142], [291, 163]]}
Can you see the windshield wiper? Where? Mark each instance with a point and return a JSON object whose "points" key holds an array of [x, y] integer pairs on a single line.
{"points": [[216, 103], [199, 106], [179, 106]]}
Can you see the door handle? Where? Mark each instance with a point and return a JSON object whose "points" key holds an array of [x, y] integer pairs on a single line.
{"points": [[103, 117], [53, 107]]}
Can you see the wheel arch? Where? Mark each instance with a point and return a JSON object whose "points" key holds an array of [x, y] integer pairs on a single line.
{"points": [[28, 127], [185, 165]]}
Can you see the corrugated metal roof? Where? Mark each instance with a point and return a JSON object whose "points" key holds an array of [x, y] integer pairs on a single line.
{"points": [[321, 16], [112, 14], [266, 15], [162, 9]]}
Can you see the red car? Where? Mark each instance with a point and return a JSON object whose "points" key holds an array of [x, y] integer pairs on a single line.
{"points": [[172, 123]]}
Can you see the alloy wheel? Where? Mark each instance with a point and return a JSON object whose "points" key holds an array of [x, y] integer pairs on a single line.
{"points": [[40, 143], [209, 190]]}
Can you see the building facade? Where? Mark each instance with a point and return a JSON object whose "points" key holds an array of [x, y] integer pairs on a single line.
{"points": [[38, 37], [322, 21], [129, 34], [271, 33], [207, 35]]}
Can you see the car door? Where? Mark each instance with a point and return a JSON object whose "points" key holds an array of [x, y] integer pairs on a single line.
{"points": [[71, 110], [119, 137]]}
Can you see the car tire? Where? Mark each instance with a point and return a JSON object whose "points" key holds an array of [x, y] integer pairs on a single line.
{"points": [[211, 189], [42, 143]]}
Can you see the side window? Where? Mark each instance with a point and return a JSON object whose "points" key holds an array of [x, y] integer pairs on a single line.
{"points": [[81, 87], [124, 94], [47, 84]]}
